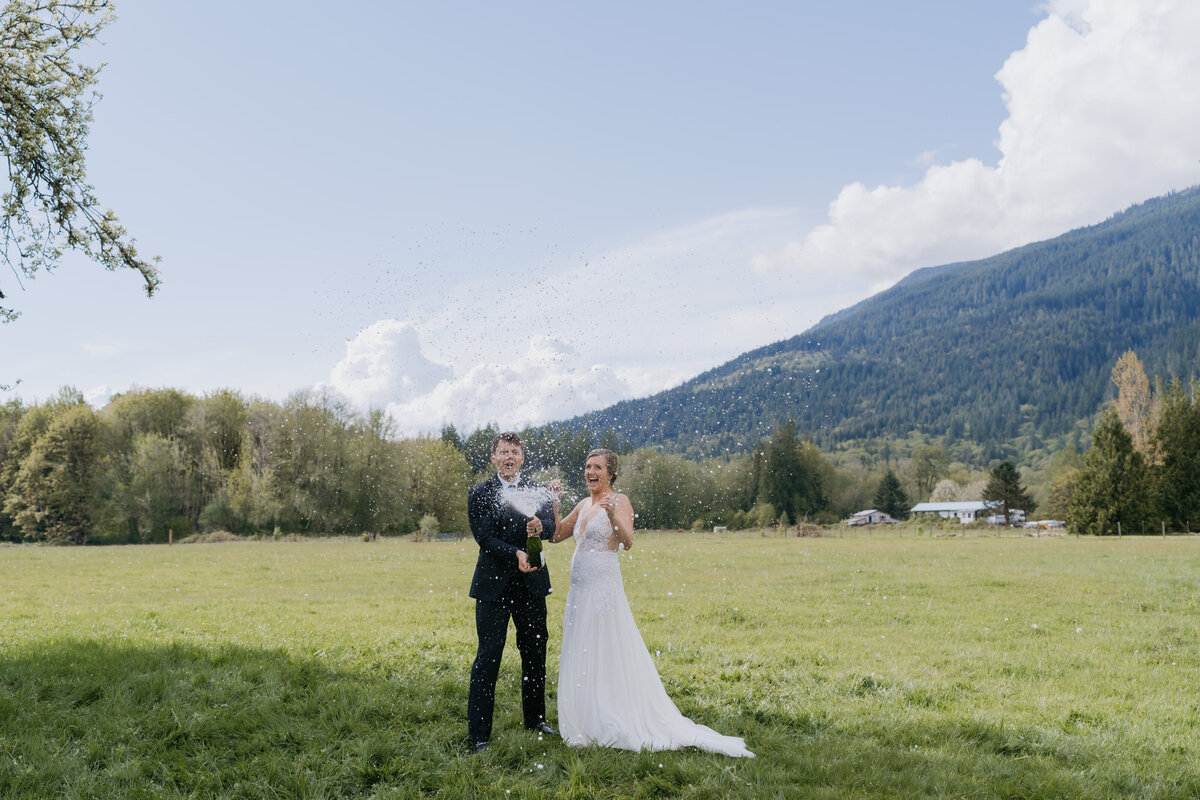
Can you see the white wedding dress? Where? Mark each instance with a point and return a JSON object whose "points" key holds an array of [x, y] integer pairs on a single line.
{"points": [[609, 692]]}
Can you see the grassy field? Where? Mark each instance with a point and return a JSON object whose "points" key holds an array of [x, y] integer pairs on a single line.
{"points": [[866, 667]]}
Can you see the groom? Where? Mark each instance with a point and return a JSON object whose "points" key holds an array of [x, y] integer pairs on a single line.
{"points": [[504, 586]]}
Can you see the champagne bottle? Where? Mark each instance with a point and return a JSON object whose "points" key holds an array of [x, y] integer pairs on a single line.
{"points": [[533, 547]]}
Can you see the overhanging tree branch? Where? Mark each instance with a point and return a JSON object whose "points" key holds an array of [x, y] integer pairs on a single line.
{"points": [[46, 101]]}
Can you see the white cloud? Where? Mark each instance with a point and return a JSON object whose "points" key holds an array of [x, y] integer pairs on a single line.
{"points": [[615, 325], [384, 364], [1102, 113], [548, 382], [522, 350], [385, 367], [926, 159], [98, 396]]}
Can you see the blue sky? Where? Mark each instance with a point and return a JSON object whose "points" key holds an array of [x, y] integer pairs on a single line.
{"points": [[474, 212]]}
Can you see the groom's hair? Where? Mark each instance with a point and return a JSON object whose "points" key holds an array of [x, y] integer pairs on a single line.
{"points": [[507, 436]]}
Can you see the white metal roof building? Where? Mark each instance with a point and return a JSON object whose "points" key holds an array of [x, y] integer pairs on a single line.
{"points": [[966, 511]]}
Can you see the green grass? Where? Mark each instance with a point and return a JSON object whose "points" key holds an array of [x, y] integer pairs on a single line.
{"points": [[867, 667]]}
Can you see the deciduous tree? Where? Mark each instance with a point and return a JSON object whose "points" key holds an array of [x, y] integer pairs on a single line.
{"points": [[155, 474], [52, 497], [1137, 405], [440, 479], [666, 490], [930, 464], [1062, 474]]}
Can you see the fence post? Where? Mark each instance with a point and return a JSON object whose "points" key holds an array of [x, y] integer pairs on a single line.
{"points": [[1118, 529]]}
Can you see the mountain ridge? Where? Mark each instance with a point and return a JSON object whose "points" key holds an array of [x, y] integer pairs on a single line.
{"points": [[1018, 345]]}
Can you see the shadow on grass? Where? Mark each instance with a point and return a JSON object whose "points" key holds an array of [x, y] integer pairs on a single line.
{"points": [[97, 719], [88, 719]]}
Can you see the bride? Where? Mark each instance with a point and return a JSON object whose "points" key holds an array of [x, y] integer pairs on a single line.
{"points": [[609, 692]]}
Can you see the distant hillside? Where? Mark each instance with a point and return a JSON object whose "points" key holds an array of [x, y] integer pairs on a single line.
{"points": [[1020, 344]]}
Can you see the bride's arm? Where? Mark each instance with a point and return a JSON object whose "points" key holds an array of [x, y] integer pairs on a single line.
{"points": [[563, 528], [620, 514]]}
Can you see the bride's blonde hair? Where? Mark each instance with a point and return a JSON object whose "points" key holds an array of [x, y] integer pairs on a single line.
{"points": [[610, 463]]}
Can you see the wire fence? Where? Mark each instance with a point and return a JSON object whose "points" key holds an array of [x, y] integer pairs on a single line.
{"points": [[946, 529]]}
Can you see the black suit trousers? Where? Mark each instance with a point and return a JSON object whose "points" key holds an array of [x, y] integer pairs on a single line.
{"points": [[528, 613]]}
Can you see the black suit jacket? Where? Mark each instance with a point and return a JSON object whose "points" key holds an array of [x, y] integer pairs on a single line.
{"points": [[500, 532]]}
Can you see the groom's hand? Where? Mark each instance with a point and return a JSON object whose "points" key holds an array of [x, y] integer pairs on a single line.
{"points": [[523, 562], [533, 527]]}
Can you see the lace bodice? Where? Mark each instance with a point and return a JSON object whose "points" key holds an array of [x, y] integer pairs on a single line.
{"points": [[597, 535]]}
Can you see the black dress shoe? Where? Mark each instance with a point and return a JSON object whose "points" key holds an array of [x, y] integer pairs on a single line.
{"points": [[478, 747], [542, 727]]}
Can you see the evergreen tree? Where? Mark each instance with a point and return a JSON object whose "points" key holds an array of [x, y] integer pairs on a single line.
{"points": [[573, 460], [816, 489], [1177, 440], [450, 436], [891, 498], [609, 440], [1113, 485], [757, 461], [784, 480], [1005, 492], [478, 449]]}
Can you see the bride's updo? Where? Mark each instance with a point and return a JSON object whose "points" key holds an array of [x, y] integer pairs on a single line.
{"points": [[610, 463]]}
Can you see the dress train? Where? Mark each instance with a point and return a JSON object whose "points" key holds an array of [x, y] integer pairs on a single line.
{"points": [[609, 692]]}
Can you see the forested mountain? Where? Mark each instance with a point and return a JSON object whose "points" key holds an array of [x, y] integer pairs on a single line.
{"points": [[1020, 345]]}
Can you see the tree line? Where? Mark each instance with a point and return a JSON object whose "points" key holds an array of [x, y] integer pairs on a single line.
{"points": [[1142, 472], [784, 479], [157, 463], [160, 463]]}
